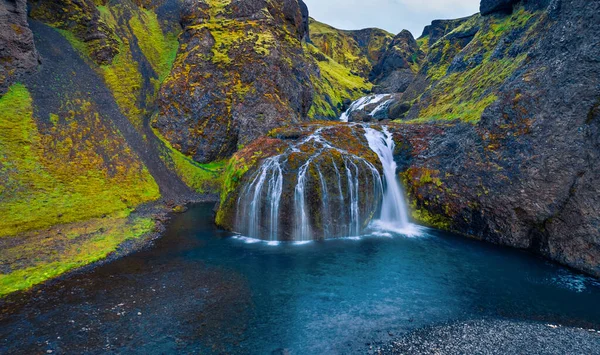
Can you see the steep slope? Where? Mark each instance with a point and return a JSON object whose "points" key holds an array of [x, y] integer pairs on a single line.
{"points": [[357, 50], [397, 65], [76, 151], [499, 133]]}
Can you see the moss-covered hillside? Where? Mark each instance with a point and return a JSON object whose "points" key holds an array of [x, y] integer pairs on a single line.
{"points": [[76, 148], [357, 50]]}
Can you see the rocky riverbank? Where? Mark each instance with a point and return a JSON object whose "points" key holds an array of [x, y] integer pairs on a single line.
{"points": [[495, 337]]}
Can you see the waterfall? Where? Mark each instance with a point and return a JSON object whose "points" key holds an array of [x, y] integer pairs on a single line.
{"points": [[316, 190], [367, 101], [394, 213]]}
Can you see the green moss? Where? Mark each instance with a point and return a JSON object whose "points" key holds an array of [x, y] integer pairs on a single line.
{"points": [[203, 178], [335, 84], [158, 47], [57, 176], [426, 218], [85, 244], [465, 95]]}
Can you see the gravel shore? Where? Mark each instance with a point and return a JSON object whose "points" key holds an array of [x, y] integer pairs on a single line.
{"points": [[495, 337]]}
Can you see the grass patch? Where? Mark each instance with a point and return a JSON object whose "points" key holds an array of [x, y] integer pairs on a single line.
{"points": [[203, 178], [64, 173], [336, 83], [80, 244]]}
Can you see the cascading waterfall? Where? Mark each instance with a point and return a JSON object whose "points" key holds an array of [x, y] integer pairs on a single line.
{"points": [[383, 101], [324, 196], [394, 213]]}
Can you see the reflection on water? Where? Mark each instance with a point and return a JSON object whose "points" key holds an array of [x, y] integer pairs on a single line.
{"points": [[200, 290]]}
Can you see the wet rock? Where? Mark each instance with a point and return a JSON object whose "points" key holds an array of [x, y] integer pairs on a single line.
{"points": [[18, 55]]}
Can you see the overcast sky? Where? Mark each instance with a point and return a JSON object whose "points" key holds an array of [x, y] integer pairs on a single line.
{"points": [[391, 15]]}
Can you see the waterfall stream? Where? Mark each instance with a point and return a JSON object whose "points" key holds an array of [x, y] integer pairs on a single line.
{"points": [[394, 212], [316, 190]]}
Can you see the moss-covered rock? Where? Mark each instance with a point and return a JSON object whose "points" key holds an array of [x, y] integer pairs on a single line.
{"points": [[357, 50], [240, 72], [18, 55], [82, 18]]}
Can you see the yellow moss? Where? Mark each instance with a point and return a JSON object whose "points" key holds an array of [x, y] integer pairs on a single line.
{"points": [[58, 176], [203, 178], [86, 243], [335, 84], [158, 47]]}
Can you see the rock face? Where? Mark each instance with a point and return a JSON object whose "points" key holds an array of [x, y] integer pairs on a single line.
{"points": [[18, 55], [398, 65], [489, 6], [522, 170], [240, 72], [82, 18], [276, 182], [502, 139]]}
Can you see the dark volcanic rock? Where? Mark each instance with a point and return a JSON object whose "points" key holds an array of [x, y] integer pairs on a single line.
{"points": [[487, 7], [440, 28], [527, 173], [240, 72], [18, 55]]}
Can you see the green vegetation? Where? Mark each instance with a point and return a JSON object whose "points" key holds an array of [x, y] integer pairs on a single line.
{"points": [[158, 47], [429, 219], [123, 75], [80, 244], [335, 84], [63, 174], [465, 95], [203, 178]]}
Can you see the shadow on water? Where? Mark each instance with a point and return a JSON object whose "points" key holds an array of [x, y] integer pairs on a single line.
{"points": [[198, 291]]}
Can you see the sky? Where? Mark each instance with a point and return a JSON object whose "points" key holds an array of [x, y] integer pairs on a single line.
{"points": [[390, 15]]}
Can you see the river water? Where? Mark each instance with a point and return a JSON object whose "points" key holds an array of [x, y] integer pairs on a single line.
{"points": [[202, 290]]}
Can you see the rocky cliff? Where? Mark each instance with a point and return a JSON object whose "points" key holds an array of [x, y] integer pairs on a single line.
{"points": [[522, 171], [240, 72], [358, 50]]}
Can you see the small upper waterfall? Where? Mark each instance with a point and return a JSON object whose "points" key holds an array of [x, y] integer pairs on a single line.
{"points": [[394, 213], [372, 106]]}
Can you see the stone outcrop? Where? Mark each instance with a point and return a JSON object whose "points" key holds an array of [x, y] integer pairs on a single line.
{"points": [[240, 72], [398, 65], [18, 55], [277, 183], [502, 140], [518, 164]]}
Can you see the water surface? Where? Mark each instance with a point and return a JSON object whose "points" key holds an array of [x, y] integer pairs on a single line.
{"points": [[199, 290]]}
